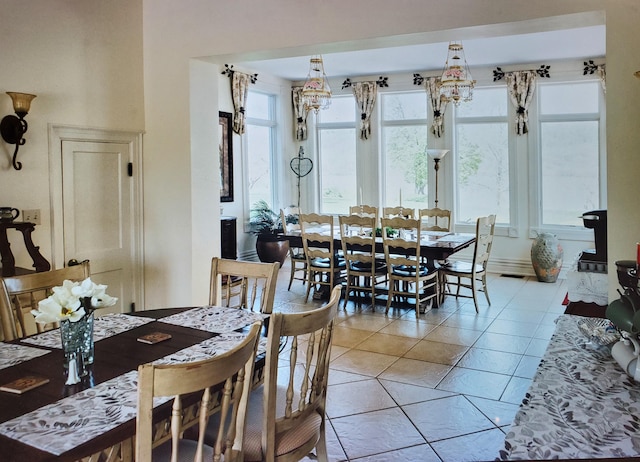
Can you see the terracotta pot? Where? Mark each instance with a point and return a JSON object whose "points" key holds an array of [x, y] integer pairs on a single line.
{"points": [[272, 248]]}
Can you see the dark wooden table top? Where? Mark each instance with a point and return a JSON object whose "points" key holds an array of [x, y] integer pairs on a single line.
{"points": [[114, 356]]}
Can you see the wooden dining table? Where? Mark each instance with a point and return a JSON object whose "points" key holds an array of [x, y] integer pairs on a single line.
{"points": [[97, 416], [434, 246]]}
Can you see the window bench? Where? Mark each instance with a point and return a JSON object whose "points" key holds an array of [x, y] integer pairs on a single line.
{"points": [[581, 404]]}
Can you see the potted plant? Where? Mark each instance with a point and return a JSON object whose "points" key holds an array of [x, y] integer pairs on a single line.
{"points": [[265, 224]]}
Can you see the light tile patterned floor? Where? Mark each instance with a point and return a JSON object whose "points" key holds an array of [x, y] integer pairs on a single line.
{"points": [[441, 387]]}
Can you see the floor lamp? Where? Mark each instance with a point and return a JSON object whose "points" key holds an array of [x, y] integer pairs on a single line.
{"points": [[437, 155]]}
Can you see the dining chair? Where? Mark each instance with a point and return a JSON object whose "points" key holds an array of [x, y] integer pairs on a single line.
{"points": [[364, 271], [21, 294], [476, 270], [409, 276], [286, 418], [435, 219], [365, 211], [324, 265], [290, 217], [239, 284], [231, 370], [403, 212]]}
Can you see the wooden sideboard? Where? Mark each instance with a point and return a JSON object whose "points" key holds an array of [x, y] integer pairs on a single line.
{"points": [[228, 239], [8, 261]]}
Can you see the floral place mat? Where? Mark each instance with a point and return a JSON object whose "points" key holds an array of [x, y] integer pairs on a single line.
{"points": [[214, 319], [581, 404], [103, 327], [215, 345], [12, 354], [61, 426]]}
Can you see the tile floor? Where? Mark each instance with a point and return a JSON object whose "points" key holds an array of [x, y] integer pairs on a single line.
{"points": [[441, 387]]}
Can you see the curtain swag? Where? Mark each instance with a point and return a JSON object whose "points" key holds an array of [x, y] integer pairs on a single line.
{"points": [[239, 89], [365, 93], [299, 113], [520, 86], [437, 104]]}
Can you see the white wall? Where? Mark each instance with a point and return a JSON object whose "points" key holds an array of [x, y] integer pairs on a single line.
{"points": [[83, 60], [175, 32]]}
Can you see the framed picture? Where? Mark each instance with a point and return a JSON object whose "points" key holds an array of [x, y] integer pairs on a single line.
{"points": [[226, 157]]}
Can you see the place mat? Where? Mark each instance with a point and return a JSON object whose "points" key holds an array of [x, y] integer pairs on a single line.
{"points": [[215, 345], [214, 319], [12, 354], [581, 404], [103, 327], [61, 426]]}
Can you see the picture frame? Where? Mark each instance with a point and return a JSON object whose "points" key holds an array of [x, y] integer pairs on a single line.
{"points": [[226, 156]]}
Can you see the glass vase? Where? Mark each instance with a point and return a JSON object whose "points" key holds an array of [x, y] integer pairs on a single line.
{"points": [[77, 339]]}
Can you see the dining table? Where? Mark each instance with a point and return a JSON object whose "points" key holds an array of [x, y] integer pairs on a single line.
{"points": [[434, 245], [97, 417]]}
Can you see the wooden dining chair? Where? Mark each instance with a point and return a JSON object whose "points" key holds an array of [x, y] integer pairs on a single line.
{"points": [[403, 212], [287, 415], [290, 218], [468, 274], [364, 271], [365, 211], [21, 294], [231, 370], [409, 276], [435, 219], [243, 284], [324, 266]]}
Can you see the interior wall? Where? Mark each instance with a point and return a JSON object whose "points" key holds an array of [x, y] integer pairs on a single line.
{"points": [[175, 33], [83, 60]]}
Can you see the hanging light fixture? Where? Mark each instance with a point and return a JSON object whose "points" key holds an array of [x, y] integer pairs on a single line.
{"points": [[456, 83], [316, 93]]}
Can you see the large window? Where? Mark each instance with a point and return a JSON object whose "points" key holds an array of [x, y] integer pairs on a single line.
{"points": [[569, 139], [404, 157], [337, 153], [260, 138], [482, 183]]}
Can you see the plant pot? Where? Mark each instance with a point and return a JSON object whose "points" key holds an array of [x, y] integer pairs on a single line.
{"points": [[272, 248]]}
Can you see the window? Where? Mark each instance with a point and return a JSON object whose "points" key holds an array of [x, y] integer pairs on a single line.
{"points": [[260, 136], [482, 181], [404, 157], [569, 147], [336, 132]]}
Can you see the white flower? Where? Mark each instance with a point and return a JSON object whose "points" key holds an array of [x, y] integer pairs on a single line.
{"points": [[65, 302]]}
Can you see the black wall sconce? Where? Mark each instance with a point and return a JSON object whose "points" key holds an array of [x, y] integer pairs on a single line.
{"points": [[13, 128]]}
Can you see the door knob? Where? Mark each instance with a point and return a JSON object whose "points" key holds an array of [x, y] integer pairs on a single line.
{"points": [[73, 262]]}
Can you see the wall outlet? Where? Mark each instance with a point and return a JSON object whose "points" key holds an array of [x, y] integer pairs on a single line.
{"points": [[31, 216]]}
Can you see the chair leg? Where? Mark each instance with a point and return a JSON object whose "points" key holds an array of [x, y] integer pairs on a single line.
{"points": [[321, 445], [473, 292], [484, 288], [389, 295], [310, 280]]}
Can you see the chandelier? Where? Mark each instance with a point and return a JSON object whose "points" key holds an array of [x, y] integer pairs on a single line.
{"points": [[316, 93], [456, 83]]}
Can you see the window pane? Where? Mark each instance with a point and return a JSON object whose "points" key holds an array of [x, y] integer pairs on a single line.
{"points": [[342, 109], [486, 102], [403, 106], [571, 98], [569, 171], [406, 166], [258, 105], [482, 170], [338, 170], [259, 165]]}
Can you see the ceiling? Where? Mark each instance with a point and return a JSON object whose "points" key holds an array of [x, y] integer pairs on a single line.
{"points": [[540, 47]]}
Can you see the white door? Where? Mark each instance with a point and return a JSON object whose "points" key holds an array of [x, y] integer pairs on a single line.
{"points": [[96, 198]]}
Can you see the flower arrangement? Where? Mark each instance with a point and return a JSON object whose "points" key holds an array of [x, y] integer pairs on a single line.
{"points": [[72, 301]]}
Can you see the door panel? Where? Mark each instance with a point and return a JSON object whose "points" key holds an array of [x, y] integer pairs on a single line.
{"points": [[96, 193]]}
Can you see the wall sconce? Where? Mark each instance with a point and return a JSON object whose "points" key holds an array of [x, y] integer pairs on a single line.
{"points": [[13, 128]]}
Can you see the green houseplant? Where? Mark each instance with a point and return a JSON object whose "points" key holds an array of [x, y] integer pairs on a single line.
{"points": [[265, 224]]}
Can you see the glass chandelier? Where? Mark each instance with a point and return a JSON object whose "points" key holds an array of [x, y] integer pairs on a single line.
{"points": [[316, 93], [456, 83]]}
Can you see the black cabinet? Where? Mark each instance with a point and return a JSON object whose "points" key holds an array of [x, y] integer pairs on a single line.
{"points": [[229, 246]]}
